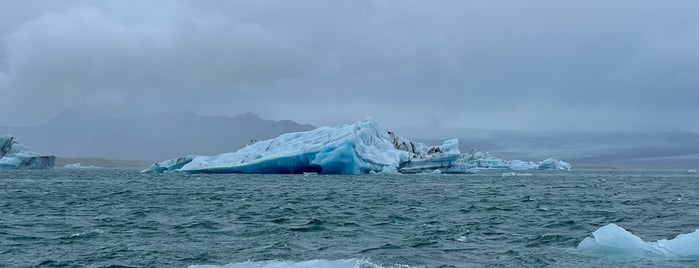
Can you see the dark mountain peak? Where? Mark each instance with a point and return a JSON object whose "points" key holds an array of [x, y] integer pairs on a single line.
{"points": [[77, 117], [248, 116], [75, 133]]}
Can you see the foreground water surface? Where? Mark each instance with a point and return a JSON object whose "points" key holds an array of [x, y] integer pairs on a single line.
{"points": [[100, 217]]}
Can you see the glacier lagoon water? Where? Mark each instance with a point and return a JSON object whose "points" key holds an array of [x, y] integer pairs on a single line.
{"points": [[99, 217]]}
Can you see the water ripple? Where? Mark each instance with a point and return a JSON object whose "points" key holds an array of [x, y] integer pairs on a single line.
{"points": [[120, 218]]}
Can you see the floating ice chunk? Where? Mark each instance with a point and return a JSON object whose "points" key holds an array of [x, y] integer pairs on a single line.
{"points": [[483, 160], [692, 171], [169, 165], [612, 240], [554, 164], [14, 155]]}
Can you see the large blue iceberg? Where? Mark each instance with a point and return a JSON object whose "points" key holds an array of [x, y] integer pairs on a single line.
{"points": [[14, 155], [360, 148], [612, 240]]}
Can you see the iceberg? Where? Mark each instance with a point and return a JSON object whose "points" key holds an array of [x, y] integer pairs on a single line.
{"points": [[361, 148], [483, 160], [15, 155], [612, 240]]}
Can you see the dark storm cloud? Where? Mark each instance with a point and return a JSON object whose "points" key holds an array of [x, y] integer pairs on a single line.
{"points": [[492, 64]]}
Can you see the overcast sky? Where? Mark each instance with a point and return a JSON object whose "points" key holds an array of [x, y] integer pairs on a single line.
{"points": [[541, 65]]}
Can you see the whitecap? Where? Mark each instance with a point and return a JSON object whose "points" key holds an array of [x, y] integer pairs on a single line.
{"points": [[515, 174]]}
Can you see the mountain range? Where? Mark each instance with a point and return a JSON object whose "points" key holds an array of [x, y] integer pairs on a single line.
{"points": [[81, 136], [106, 141]]}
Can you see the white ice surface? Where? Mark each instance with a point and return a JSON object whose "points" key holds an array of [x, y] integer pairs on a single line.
{"points": [[612, 240]]}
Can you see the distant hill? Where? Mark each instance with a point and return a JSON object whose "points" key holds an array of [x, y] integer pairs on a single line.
{"points": [[103, 163], [152, 138]]}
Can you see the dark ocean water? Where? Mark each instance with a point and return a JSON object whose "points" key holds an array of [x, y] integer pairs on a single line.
{"points": [[96, 218]]}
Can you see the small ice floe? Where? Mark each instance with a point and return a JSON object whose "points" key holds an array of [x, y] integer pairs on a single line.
{"points": [[612, 240], [692, 171]]}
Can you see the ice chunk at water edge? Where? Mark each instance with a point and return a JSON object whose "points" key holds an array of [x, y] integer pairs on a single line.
{"points": [[612, 240]]}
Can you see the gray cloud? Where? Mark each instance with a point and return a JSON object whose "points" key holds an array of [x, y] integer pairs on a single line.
{"points": [[482, 64]]}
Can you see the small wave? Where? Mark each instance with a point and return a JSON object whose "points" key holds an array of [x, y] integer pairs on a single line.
{"points": [[547, 239], [612, 240], [81, 235], [314, 225], [515, 174], [385, 246], [347, 263]]}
